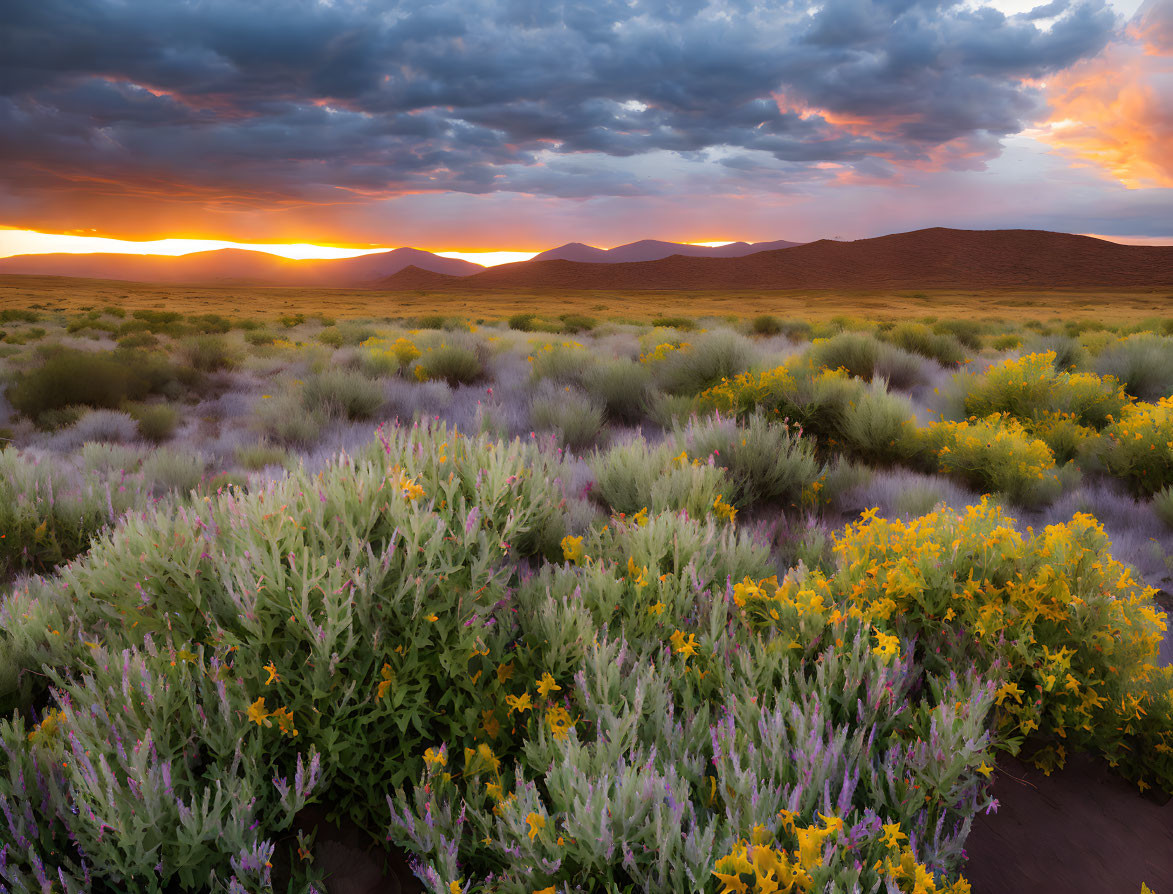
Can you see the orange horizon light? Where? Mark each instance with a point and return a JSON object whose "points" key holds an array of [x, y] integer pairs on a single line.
{"points": [[14, 241]]}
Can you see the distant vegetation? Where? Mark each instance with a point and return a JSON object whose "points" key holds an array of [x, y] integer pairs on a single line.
{"points": [[542, 597]]}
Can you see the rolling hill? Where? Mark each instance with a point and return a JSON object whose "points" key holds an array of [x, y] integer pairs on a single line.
{"points": [[936, 258], [232, 266], [654, 250]]}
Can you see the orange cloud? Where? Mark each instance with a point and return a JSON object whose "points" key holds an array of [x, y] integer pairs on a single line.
{"points": [[1115, 111]]}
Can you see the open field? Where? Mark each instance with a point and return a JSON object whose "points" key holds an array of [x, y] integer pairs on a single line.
{"points": [[66, 294], [540, 601]]}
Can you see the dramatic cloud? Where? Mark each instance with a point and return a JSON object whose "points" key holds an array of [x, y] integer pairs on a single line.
{"points": [[138, 111], [1115, 111]]}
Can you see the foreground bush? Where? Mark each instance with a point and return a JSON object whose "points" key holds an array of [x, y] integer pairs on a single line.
{"points": [[413, 639], [454, 364], [338, 393], [1139, 446], [1033, 388], [49, 514], [838, 410], [103, 380], [575, 419], [995, 455], [691, 368], [1143, 363], [764, 460]]}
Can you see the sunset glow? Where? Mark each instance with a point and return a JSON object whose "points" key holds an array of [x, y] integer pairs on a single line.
{"points": [[23, 242], [489, 258]]}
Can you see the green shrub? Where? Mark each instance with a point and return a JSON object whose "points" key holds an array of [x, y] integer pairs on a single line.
{"points": [[683, 324], [622, 388], [574, 323], [138, 340], [79, 378], [766, 324], [330, 337], [918, 338], [82, 324], [342, 394], [454, 364], [1007, 342], [523, 322], [1142, 363], [565, 363], [103, 457], [17, 315], [968, 332], [638, 475], [876, 426], [863, 357], [156, 422], [167, 470], [1068, 353], [765, 461], [431, 321], [346, 334], [572, 415], [208, 353], [1138, 447], [285, 420], [259, 337], [994, 454], [48, 515], [1033, 390], [1163, 504], [261, 456], [714, 356]]}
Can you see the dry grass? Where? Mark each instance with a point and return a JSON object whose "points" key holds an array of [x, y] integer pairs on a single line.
{"points": [[65, 294]]}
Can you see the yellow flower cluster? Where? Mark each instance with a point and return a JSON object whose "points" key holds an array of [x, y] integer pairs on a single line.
{"points": [[1086, 634], [407, 487], [261, 717], [764, 865], [748, 390], [660, 351], [48, 728], [572, 549], [723, 510], [1139, 445], [995, 452]]}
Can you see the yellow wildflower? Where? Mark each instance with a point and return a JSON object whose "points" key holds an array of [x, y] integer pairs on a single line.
{"points": [[388, 677], [256, 711], [572, 550], [272, 671], [536, 823], [546, 685], [682, 645], [519, 703], [284, 721]]}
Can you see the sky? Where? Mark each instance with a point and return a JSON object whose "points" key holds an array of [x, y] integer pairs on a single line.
{"points": [[473, 126]]}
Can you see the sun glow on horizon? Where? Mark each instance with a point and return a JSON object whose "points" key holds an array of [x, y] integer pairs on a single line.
{"points": [[27, 242], [488, 258]]}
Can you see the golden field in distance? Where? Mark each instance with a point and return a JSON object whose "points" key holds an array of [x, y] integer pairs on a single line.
{"points": [[67, 294]]}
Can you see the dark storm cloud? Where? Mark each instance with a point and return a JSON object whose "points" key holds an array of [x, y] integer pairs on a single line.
{"points": [[306, 99]]}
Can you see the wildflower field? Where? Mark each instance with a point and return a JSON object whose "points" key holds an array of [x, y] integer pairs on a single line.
{"points": [[553, 603]]}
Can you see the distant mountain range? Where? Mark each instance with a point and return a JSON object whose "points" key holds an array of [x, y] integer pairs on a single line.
{"points": [[932, 258], [654, 250], [235, 266]]}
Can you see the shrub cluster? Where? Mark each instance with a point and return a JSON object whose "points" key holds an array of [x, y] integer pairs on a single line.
{"points": [[995, 454]]}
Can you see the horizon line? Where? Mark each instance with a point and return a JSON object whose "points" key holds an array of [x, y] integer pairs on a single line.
{"points": [[15, 242]]}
